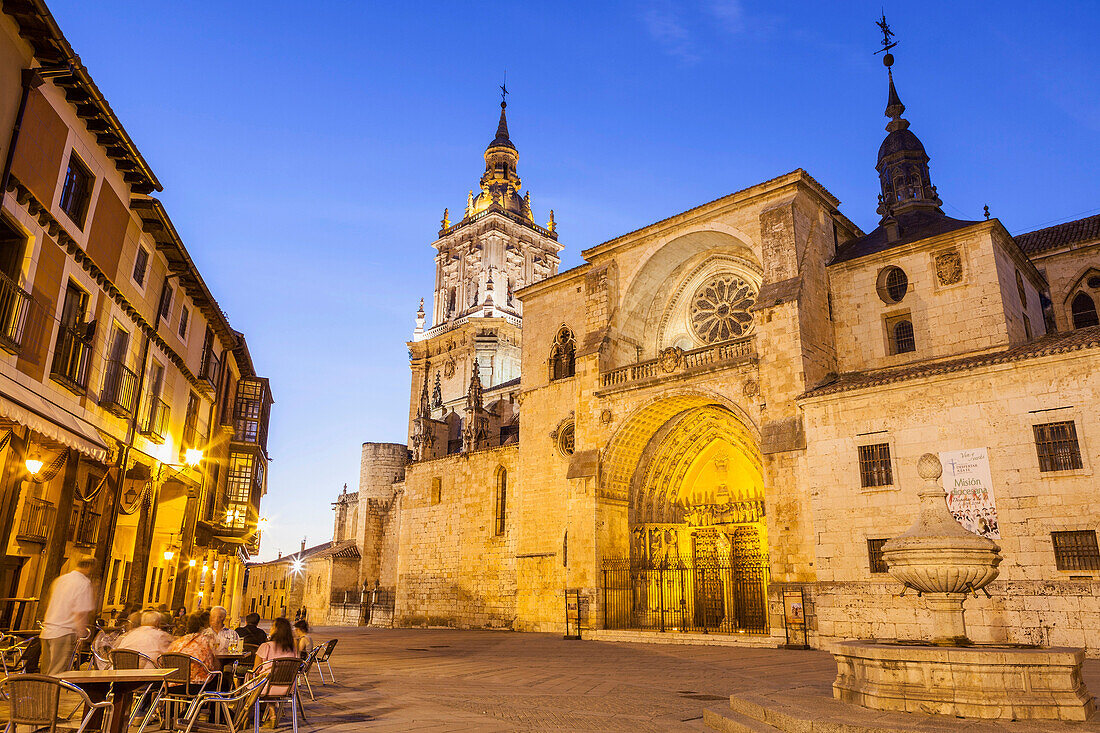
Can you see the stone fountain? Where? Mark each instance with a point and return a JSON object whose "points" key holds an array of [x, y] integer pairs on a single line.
{"points": [[950, 675]]}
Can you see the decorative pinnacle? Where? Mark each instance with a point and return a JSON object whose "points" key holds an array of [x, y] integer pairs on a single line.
{"points": [[986, 207], [887, 44], [504, 92]]}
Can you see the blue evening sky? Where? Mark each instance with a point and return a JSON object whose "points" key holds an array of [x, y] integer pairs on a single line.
{"points": [[307, 151]]}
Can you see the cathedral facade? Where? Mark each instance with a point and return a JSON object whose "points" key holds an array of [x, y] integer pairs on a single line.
{"points": [[722, 411]]}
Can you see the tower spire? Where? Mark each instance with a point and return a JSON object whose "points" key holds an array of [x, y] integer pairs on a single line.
{"points": [[902, 161]]}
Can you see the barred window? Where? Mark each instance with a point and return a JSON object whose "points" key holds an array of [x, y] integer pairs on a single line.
{"points": [[1056, 444], [1076, 550], [874, 465], [903, 337], [874, 555]]}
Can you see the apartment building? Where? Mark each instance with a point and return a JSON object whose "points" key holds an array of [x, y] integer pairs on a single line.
{"points": [[133, 424]]}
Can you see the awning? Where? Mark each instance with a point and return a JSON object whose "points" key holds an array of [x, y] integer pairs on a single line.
{"points": [[21, 405]]}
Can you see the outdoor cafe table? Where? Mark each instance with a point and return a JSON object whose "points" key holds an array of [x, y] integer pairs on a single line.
{"points": [[97, 683]]}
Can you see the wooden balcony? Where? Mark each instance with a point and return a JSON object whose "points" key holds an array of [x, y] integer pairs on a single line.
{"points": [[119, 389], [679, 362]]}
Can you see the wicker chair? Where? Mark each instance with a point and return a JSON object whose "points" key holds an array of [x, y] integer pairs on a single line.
{"points": [[180, 689], [12, 651], [83, 646], [234, 708], [35, 700], [323, 658], [130, 659], [283, 673]]}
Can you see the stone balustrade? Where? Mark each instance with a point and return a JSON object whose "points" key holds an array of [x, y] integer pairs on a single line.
{"points": [[674, 360]]}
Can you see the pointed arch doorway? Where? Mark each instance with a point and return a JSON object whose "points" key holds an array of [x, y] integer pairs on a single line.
{"points": [[697, 534]]}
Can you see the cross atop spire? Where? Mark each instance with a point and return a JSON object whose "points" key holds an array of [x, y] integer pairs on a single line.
{"points": [[504, 92]]}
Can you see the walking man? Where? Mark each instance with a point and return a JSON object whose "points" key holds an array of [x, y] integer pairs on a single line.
{"points": [[67, 616]]}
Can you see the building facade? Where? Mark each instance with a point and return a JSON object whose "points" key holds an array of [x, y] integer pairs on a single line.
{"points": [[133, 424], [723, 410]]}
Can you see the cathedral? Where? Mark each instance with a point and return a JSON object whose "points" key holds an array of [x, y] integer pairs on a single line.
{"points": [[712, 425]]}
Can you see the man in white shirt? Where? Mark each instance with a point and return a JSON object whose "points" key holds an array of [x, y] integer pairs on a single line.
{"points": [[148, 638], [67, 616], [223, 636]]}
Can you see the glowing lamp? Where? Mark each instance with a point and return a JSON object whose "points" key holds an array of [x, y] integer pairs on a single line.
{"points": [[205, 567], [296, 566], [191, 563], [192, 456], [33, 466], [168, 554]]}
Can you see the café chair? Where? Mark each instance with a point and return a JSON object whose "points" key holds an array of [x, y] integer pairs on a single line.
{"points": [[323, 658], [181, 690], [307, 665], [130, 659], [234, 708], [282, 673], [35, 701]]}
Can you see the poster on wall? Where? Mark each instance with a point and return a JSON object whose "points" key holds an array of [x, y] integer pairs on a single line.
{"points": [[969, 488]]}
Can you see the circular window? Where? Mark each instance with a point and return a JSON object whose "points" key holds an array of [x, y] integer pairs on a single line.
{"points": [[565, 440], [892, 284], [720, 309], [1094, 282]]}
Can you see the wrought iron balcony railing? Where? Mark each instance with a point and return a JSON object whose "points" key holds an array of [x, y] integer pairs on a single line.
{"points": [[15, 305], [84, 526], [155, 427], [71, 356], [209, 368], [119, 389], [36, 521]]}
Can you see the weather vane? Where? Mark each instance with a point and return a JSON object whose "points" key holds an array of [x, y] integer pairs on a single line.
{"points": [[887, 44], [504, 90]]}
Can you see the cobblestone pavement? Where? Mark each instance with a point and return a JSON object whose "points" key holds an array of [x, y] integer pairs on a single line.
{"points": [[446, 680]]}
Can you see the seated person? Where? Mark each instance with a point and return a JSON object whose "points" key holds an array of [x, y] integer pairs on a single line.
{"points": [[198, 645], [224, 638], [280, 646], [302, 640], [147, 638], [251, 633]]}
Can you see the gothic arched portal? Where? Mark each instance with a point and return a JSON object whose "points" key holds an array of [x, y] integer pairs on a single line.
{"points": [[691, 472]]}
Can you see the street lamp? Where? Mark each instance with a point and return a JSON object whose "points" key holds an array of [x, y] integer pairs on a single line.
{"points": [[34, 464], [192, 457]]}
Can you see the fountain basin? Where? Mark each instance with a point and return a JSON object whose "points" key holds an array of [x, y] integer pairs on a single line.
{"points": [[973, 682]]}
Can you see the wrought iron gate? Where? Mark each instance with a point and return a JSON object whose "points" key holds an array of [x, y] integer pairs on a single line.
{"points": [[707, 595]]}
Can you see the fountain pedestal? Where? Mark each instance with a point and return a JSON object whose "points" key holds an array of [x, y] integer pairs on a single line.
{"points": [[950, 675]]}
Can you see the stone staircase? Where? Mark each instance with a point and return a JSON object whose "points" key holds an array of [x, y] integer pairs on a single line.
{"points": [[812, 709]]}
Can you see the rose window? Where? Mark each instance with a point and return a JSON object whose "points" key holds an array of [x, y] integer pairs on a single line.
{"points": [[720, 309]]}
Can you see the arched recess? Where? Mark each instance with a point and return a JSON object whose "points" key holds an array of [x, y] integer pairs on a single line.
{"points": [[1082, 299], [668, 265]]}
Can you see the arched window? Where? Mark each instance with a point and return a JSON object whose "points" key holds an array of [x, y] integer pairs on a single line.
{"points": [[903, 337], [563, 355], [500, 501], [1084, 311]]}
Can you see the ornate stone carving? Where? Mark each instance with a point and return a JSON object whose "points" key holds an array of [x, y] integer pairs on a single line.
{"points": [[720, 309], [449, 368], [606, 416], [949, 267], [750, 388], [670, 359]]}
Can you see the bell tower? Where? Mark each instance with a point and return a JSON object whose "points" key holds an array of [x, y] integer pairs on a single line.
{"points": [[495, 249]]}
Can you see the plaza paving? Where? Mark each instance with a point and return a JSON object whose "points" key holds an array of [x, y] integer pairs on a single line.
{"points": [[445, 680]]}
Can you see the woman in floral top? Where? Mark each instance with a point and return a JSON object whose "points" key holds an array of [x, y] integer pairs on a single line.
{"points": [[198, 645]]}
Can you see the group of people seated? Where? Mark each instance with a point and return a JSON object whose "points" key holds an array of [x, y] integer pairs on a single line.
{"points": [[204, 635]]}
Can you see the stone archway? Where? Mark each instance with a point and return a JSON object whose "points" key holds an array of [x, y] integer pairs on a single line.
{"points": [[689, 469]]}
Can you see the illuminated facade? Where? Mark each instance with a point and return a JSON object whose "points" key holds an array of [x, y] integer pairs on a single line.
{"points": [[728, 404], [133, 426]]}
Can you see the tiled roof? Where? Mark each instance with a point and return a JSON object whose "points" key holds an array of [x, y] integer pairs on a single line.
{"points": [[341, 549], [913, 226], [1057, 343], [1060, 235]]}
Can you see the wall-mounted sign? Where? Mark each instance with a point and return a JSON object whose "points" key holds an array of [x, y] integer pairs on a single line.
{"points": [[969, 488]]}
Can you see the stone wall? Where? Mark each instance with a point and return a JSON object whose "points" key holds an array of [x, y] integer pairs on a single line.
{"points": [[453, 569]]}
